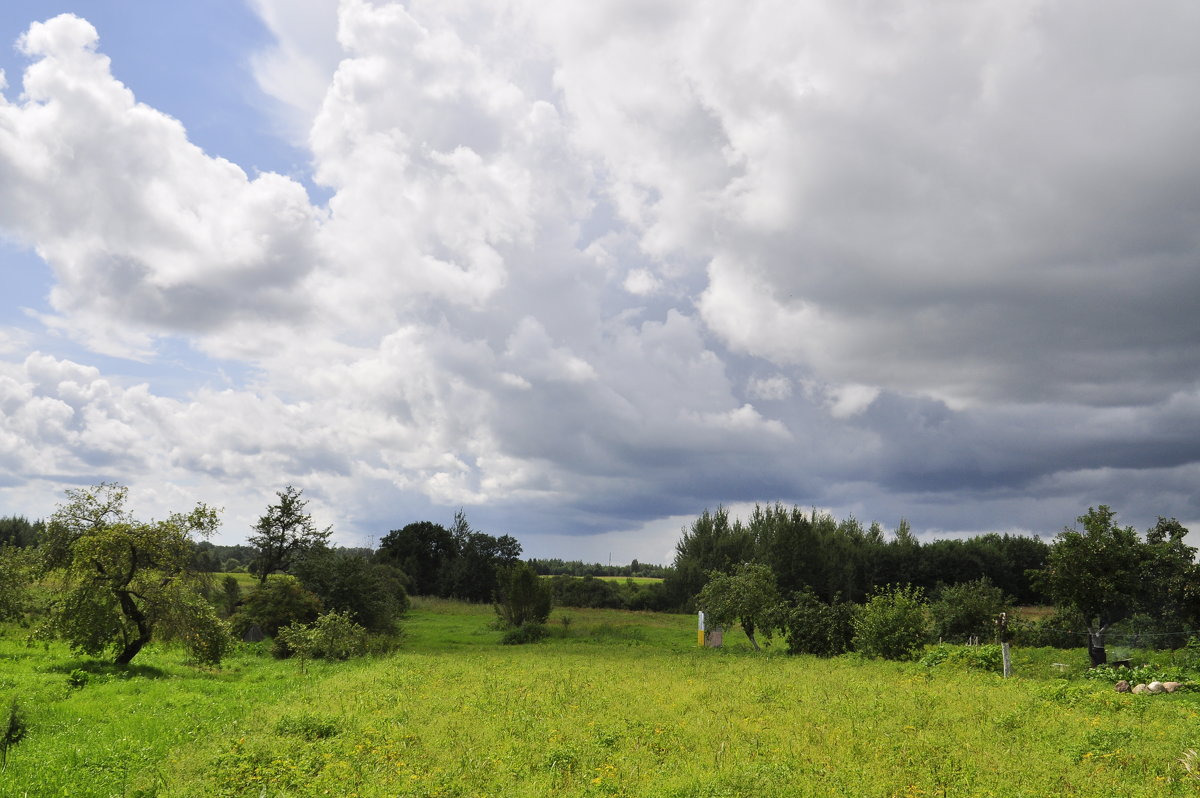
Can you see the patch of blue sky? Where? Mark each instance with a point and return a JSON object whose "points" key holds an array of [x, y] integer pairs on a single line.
{"points": [[191, 60], [25, 282], [176, 371]]}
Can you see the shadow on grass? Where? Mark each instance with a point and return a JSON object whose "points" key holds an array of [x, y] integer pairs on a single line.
{"points": [[101, 668]]}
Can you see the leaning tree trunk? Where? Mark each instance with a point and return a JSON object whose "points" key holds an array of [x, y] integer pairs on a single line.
{"points": [[1095, 645], [132, 612], [748, 628]]}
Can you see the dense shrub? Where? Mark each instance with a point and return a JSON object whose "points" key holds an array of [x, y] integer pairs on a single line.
{"points": [[525, 633], [373, 593], [333, 635], [985, 658], [968, 609], [810, 626], [1142, 674], [522, 597], [1058, 630], [205, 636], [747, 596], [892, 624], [231, 595], [649, 597], [586, 592], [279, 601]]}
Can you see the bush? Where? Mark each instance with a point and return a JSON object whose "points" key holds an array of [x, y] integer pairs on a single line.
{"points": [[586, 592], [650, 597], [274, 604], [333, 635], [371, 592], [231, 594], [892, 623], [307, 726], [966, 610], [522, 597], [12, 730], [207, 637], [810, 626], [1143, 674], [525, 633], [1063, 629], [984, 658]]}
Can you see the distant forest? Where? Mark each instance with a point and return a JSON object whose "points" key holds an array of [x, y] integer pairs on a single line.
{"points": [[804, 549], [843, 560]]}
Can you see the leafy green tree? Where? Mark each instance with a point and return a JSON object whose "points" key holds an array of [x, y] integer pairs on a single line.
{"points": [[16, 576], [747, 596], [231, 594], [117, 579], [810, 626], [284, 532], [586, 591], [892, 624], [333, 635], [472, 574], [710, 545], [419, 550], [967, 610], [273, 604], [18, 531], [522, 596], [1172, 579], [1098, 573], [370, 592]]}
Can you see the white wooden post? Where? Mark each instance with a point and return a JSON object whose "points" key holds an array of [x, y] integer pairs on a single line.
{"points": [[1002, 622]]}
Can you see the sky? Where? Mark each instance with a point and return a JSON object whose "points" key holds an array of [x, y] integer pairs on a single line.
{"points": [[586, 269]]}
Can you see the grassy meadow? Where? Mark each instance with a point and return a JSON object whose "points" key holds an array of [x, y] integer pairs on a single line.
{"points": [[637, 580], [613, 704]]}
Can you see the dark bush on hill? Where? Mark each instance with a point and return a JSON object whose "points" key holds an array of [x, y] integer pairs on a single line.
{"points": [[371, 593], [586, 592], [810, 626], [279, 601]]}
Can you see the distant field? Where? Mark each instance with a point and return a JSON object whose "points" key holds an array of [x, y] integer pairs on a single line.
{"points": [[637, 580], [245, 581], [614, 704]]}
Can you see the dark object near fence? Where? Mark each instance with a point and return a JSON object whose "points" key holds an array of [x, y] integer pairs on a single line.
{"points": [[254, 634]]}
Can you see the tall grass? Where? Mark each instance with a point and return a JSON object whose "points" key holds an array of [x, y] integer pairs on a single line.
{"points": [[614, 703]]}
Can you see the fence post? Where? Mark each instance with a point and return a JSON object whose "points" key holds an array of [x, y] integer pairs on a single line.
{"points": [[1002, 625]]}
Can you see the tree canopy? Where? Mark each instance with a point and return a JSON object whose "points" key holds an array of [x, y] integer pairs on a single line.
{"points": [[119, 579], [282, 533], [1106, 573], [747, 596], [460, 562]]}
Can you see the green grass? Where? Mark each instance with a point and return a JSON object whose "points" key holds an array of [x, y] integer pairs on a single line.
{"points": [[637, 580], [246, 582], [613, 703]]}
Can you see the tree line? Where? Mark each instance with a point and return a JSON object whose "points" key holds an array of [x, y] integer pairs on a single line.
{"points": [[843, 560], [111, 582], [829, 586]]}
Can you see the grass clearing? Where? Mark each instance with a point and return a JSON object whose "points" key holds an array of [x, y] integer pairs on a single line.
{"points": [[613, 703], [637, 580]]}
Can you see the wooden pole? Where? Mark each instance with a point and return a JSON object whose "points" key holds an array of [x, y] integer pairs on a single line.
{"points": [[1002, 625]]}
